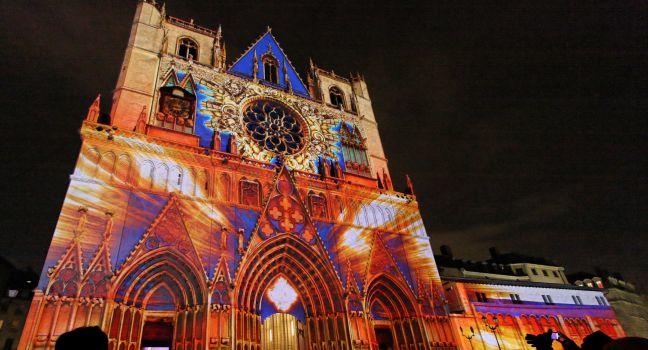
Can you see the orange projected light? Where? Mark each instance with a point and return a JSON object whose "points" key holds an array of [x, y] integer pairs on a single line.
{"points": [[282, 294]]}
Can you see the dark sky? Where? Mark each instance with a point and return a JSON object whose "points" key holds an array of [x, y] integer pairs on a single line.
{"points": [[523, 125]]}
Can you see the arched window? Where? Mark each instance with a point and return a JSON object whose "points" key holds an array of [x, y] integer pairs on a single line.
{"points": [[188, 49], [270, 68], [337, 96], [250, 193], [354, 150]]}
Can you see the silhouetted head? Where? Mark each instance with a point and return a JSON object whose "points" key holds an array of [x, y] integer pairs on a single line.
{"points": [[594, 341], [628, 343], [83, 338]]}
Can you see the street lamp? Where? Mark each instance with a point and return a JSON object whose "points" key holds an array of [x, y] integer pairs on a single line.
{"points": [[468, 336], [493, 328]]}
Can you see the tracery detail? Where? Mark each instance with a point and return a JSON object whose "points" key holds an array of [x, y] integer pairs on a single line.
{"points": [[274, 126]]}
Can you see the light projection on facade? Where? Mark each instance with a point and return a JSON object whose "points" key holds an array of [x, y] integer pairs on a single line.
{"points": [[237, 207]]}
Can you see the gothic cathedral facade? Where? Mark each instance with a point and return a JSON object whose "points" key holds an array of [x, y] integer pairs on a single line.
{"points": [[235, 207]]}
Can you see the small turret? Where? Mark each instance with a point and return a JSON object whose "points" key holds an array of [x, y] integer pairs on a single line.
{"points": [[94, 111], [410, 185]]}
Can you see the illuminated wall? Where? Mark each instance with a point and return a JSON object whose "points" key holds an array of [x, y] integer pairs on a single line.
{"points": [[217, 211], [514, 309]]}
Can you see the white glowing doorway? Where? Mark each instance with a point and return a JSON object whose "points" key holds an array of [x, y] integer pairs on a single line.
{"points": [[282, 332]]}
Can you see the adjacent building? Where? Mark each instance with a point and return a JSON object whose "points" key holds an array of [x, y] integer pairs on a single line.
{"points": [[16, 287], [495, 303], [631, 306]]}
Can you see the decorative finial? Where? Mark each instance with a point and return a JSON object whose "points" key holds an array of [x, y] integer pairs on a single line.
{"points": [[94, 110], [241, 240], [223, 56], [285, 74], [219, 33], [109, 225], [410, 185], [388, 183], [268, 29], [255, 66]]}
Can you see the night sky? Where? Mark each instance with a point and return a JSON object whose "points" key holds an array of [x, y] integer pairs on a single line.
{"points": [[523, 125]]}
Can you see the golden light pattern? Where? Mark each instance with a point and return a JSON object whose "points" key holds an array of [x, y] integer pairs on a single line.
{"points": [[282, 294], [228, 97]]}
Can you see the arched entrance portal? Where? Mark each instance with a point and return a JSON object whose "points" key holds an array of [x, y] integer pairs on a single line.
{"points": [[158, 302], [317, 286], [395, 321]]}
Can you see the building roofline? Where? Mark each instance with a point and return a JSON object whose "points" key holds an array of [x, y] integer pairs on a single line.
{"points": [[519, 283]]}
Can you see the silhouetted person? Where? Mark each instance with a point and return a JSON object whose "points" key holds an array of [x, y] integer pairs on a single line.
{"points": [[595, 341], [540, 341], [83, 338], [628, 343]]}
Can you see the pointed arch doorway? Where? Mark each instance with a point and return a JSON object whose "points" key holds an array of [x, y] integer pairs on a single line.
{"points": [[282, 332], [157, 332], [393, 314], [315, 300], [282, 316], [159, 304]]}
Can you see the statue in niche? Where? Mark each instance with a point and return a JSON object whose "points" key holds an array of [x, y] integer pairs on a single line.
{"points": [[223, 238]]}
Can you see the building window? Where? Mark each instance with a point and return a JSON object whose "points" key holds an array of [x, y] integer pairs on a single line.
{"points": [[250, 193], [337, 97], [544, 272], [317, 206], [354, 150], [519, 271], [176, 111], [534, 271], [601, 301], [270, 68], [547, 299], [555, 273], [481, 297], [188, 49], [577, 300], [515, 298]]}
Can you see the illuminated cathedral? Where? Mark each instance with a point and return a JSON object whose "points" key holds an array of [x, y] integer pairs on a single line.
{"points": [[238, 206]]}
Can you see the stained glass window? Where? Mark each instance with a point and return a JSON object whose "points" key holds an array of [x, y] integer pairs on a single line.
{"points": [[354, 150], [274, 126]]}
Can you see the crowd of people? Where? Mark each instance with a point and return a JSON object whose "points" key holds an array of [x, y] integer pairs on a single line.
{"points": [[95, 338], [595, 341]]}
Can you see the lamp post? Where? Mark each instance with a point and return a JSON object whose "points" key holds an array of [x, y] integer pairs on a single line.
{"points": [[468, 336], [493, 328]]}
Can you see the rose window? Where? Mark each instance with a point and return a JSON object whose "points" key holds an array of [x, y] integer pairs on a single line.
{"points": [[274, 126]]}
